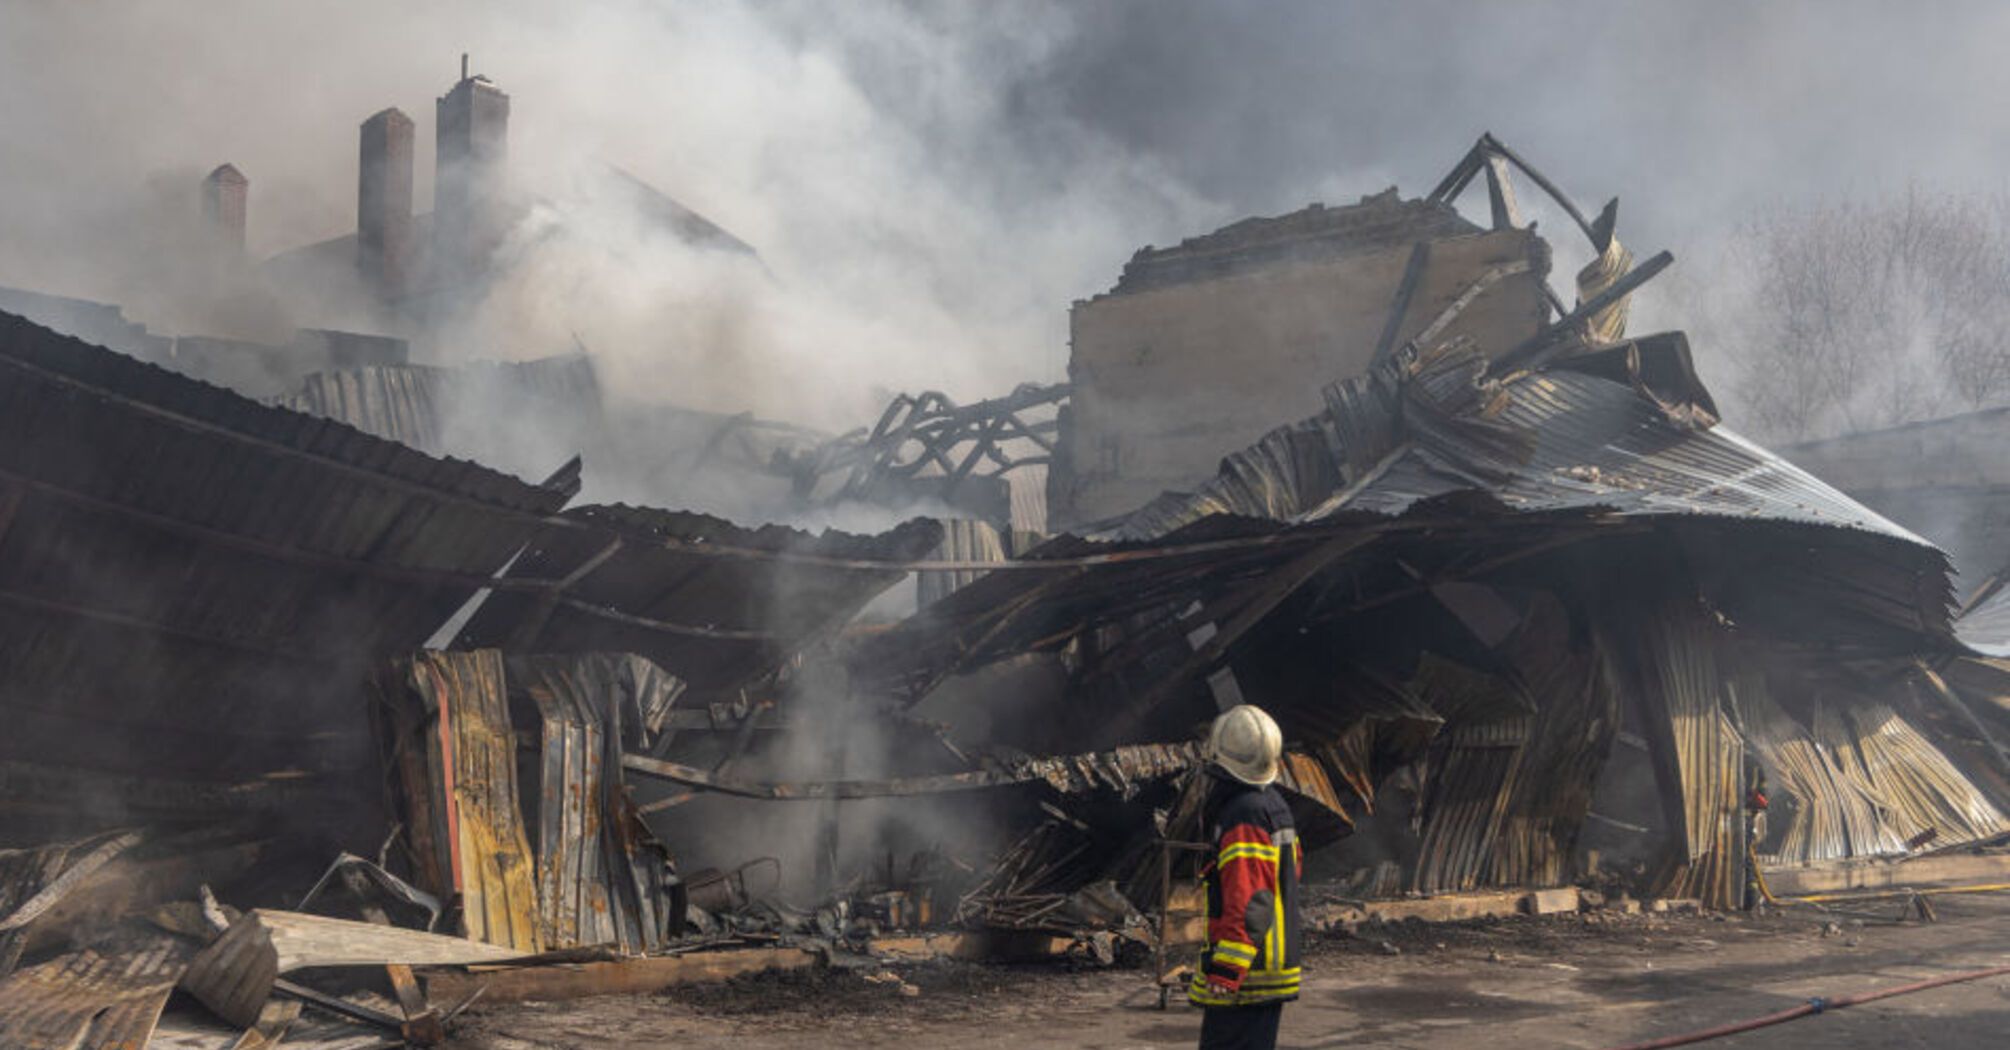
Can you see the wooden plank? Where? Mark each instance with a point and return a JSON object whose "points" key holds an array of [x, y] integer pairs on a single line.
{"points": [[623, 977], [404, 984], [973, 946], [301, 940]]}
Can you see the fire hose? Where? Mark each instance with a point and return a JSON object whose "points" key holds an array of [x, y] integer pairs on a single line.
{"points": [[1821, 1004], [1810, 1008]]}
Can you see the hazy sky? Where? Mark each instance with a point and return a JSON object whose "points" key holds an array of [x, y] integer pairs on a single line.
{"points": [[933, 183]]}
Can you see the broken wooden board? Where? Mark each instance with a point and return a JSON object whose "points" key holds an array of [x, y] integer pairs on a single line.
{"points": [[1918, 872], [233, 976], [622, 977], [973, 946], [1452, 907]]}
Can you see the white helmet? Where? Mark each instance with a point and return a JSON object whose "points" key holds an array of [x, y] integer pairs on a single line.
{"points": [[1246, 742]]}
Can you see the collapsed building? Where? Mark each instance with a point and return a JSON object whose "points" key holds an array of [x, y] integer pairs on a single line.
{"points": [[1529, 614]]}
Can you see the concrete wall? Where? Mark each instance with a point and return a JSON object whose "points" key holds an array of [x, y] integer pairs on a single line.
{"points": [[1167, 380]]}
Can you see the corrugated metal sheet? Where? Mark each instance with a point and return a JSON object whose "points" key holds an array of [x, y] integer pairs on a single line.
{"points": [[455, 729], [1029, 498], [423, 406], [1436, 451], [1865, 781], [711, 602], [1663, 655], [1470, 783], [1831, 818], [90, 998], [1917, 787], [1509, 784], [1569, 437], [190, 582], [962, 540], [450, 740], [1570, 737], [1985, 627], [599, 880]]}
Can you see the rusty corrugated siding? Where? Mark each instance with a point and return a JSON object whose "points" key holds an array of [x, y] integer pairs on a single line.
{"points": [[1664, 656], [601, 879], [449, 729], [456, 759], [1469, 784]]}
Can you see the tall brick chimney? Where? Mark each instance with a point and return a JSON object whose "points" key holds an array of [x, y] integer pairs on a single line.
{"points": [[224, 194], [472, 136], [384, 204]]}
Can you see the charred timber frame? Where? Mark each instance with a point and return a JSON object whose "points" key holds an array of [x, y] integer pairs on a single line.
{"points": [[928, 429]]}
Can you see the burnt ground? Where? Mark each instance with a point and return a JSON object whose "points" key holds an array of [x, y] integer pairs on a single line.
{"points": [[1576, 981]]}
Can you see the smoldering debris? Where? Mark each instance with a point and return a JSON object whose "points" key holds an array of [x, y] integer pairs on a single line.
{"points": [[1507, 540]]}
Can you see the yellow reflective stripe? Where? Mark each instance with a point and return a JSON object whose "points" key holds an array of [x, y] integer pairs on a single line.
{"points": [[1235, 951], [1273, 938], [1238, 850]]}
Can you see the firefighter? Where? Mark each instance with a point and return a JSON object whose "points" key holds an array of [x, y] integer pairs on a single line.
{"points": [[1249, 969], [1756, 804]]}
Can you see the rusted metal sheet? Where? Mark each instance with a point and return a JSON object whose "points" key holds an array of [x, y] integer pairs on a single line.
{"points": [[597, 876], [455, 753], [1469, 786], [600, 877], [1667, 659], [93, 997]]}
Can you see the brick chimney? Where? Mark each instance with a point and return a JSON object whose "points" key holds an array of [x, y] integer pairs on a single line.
{"points": [[472, 137], [384, 204], [224, 193]]}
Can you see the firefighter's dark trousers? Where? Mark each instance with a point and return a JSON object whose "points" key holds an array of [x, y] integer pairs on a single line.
{"points": [[1240, 1027]]}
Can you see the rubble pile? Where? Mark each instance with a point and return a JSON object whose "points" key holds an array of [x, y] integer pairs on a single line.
{"points": [[338, 738]]}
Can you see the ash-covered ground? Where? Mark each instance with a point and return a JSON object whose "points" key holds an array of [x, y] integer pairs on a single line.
{"points": [[1584, 981]]}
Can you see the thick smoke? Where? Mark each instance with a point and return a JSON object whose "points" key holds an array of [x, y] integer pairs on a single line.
{"points": [[929, 185], [915, 227]]}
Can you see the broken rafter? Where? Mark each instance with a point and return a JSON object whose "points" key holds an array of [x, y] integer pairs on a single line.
{"points": [[1500, 193], [691, 776], [1113, 768], [1487, 155], [1263, 598], [1538, 349]]}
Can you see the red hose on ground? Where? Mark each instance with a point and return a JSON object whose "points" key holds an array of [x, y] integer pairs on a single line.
{"points": [[1812, 1006]]}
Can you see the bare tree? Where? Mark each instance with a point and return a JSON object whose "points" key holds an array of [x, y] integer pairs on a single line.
{"points": [[1865, 315]]}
